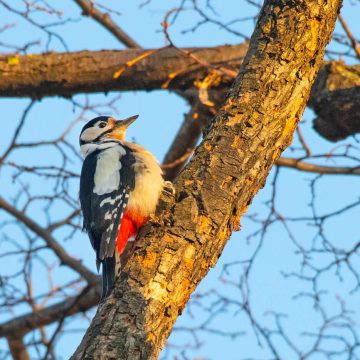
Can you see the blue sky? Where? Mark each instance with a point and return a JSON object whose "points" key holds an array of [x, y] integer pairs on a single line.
{"points": [[161, 113]]}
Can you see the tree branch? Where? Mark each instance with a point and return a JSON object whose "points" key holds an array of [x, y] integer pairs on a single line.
{"points": [[93, 71], [106, 21], [335, 96], [188, 135], [66, 74], [247, 136], [319, 169], [17, 348], [350, 36]]}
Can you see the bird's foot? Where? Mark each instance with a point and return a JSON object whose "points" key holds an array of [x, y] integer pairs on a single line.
{"points": [[169, 188]]}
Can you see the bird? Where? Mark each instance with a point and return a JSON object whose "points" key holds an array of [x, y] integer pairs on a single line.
{"points": [[120, 186]]}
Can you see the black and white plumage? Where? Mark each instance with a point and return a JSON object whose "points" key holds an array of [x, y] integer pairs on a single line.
{"points": [[104, 196], [116, 176]]}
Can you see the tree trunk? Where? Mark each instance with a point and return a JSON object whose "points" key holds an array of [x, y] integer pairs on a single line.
{"points": [[254, 126]]}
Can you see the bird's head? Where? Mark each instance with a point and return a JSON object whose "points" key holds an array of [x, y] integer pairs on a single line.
{"points": [[103, 128]]}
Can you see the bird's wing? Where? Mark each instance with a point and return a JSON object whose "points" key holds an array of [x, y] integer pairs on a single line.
{"points": [[104, 193]]}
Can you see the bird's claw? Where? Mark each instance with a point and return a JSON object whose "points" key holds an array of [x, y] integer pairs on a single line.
{"points": [[169, 188]]}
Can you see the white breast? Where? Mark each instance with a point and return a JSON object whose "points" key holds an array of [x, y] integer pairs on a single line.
{"points": [[87, 149], [107, 173]]}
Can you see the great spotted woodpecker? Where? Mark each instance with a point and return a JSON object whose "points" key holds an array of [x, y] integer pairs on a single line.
{"points": [[120, 186]]}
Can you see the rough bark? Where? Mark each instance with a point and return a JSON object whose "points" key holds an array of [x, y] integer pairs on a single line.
{"points": [[247, 136], [335, 98]]}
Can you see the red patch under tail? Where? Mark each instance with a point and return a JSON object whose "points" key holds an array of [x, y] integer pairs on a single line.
{"points": [[130, 225]]}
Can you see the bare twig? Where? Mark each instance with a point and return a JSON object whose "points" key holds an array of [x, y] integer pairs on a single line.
{"points": [[350, 36], [17, 132], [105, 20], [219, 69], [319, 169], [303, 142]]}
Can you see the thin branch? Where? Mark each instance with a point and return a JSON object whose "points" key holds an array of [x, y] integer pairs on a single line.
{"points": [[350, 36], [17, 131], [218, 69], [17, 347], [190, 131], [105, 20], [319, 169], [184, 142], [303, 142]]}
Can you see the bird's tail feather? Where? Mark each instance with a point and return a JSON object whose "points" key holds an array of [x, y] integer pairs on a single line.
{"points": [[108, 276]]}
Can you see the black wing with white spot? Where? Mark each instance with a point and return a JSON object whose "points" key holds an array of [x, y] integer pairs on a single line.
{"points": [[103, 213], [111, 208]]}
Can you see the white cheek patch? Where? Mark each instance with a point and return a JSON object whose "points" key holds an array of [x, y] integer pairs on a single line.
{"points": [[91, 134]]}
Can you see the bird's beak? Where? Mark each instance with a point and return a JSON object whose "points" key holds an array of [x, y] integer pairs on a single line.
{"points": [[119, 127], [127, 122]]}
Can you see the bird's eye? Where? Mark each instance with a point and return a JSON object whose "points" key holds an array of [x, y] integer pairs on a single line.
{"points": [[102, 124]]}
